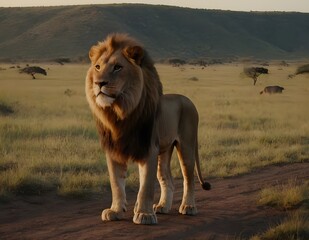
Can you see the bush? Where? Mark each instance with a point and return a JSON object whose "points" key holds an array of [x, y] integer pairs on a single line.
{"points": [[5, 109], [176, 62], [61, 61], [193, 79], [303, 69]]}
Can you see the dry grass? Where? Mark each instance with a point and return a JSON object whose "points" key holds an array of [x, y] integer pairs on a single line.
{"points": [[294, 194], [294, 227], [240, 129], [49, 141], [286, 196]]}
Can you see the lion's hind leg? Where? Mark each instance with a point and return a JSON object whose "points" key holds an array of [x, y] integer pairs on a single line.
{"points": [[186, 155], [165, 178]]}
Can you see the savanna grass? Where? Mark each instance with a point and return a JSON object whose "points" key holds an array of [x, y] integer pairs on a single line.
{"points": [[291, 195], [294, 227], [287, 196], [240, 129], [49, 142]]}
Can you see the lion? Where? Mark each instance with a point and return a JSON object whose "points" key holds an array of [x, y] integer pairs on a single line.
{"points": [[136, 122]]}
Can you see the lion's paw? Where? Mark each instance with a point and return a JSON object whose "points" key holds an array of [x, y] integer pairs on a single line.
{"points": [[158, 208], [110, 215], [188, 210], [145, 218]]}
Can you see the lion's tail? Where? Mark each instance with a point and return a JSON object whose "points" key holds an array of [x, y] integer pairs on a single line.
{"points": [[205, 185]]}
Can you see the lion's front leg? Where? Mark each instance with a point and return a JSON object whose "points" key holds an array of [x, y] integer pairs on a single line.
{"points": [[117, 174], [143, 211]]}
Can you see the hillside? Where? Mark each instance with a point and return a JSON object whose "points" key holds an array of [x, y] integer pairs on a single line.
{"points": [[49, 32]]}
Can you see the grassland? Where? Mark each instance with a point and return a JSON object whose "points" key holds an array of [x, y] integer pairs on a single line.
{"points": [[292, 195], [48, 140], [287, 196]]}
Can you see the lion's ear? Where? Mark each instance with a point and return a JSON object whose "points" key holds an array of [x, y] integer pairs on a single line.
{"points": [[95, 52], [136, 53]]}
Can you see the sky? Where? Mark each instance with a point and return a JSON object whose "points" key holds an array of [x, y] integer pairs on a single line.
{"points": [[234, 5]]}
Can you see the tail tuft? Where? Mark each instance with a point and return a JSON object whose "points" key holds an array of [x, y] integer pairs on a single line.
{"points": [[206, 186]]}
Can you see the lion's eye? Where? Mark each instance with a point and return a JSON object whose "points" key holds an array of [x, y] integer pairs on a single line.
{"points": [[117, 68], [98, 67]]}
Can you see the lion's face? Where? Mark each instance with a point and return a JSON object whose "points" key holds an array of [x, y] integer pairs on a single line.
{"points": [[115, 78], [108, 79]]}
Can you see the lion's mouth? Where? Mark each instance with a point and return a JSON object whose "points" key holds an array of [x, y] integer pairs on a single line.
{"points": [[105, 94]]}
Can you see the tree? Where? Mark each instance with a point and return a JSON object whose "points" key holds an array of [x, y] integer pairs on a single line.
{"points": [[33, 70], [255, 72]]}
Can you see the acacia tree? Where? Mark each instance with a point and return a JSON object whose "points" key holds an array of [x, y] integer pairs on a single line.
{"points": [[255, 72], [33, 70]]}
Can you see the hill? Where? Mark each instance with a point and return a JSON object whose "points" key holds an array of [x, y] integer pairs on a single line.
{"points": [[69, 31]]}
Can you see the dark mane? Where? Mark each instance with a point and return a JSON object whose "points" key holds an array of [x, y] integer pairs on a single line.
{"points": [[131, 137]]}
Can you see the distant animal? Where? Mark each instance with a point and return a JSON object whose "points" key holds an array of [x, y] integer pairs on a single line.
{"points": [[272, 89], [136, 122]]}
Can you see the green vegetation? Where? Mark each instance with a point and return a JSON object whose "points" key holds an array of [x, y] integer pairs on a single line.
{"points": [[49, 141], [167, 32]]}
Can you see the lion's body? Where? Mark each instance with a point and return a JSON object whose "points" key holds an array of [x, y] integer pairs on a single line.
{"points": [[135, 121], [177, 117]]}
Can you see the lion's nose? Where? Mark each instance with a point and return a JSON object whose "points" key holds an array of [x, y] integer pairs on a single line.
{"points": [[101, 84]]}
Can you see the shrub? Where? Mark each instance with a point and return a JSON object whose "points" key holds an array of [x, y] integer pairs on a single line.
{"points": [[302, 69], [176, 62], [5, 109], [68, 92], [193, 79], [61, 61]]}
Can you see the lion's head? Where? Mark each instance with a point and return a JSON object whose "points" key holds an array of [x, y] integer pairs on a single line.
{"points": [[123, 91]]}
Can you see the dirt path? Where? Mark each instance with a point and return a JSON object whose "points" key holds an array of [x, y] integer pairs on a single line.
{"points": [[228, 210]]}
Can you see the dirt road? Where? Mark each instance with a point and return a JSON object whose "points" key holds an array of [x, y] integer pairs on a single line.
{"points": [[229, 210]]}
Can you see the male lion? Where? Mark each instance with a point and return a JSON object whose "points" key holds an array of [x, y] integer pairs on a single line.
{"points": [[135, 121]]}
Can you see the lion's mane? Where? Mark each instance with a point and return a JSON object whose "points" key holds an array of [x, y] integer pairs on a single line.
{"points": [[130, 136]]}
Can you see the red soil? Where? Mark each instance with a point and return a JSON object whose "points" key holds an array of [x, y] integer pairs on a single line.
{"points": [[229, 210]]}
